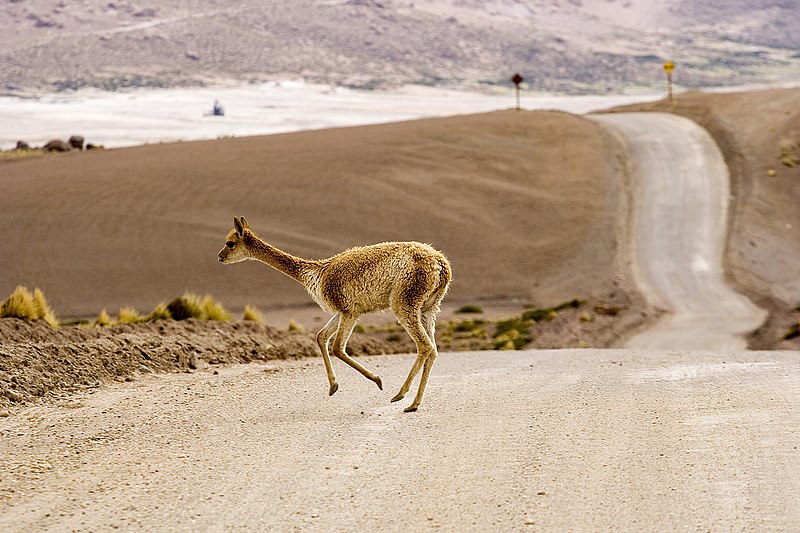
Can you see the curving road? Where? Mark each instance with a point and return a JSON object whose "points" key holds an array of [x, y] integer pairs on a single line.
{"points": [[679, 233]]}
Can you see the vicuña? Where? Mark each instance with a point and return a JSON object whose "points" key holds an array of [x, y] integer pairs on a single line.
{"points": [[410, 278]]}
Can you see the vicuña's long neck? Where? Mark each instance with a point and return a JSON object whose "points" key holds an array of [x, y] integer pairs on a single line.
{"points": [[289, 264]]}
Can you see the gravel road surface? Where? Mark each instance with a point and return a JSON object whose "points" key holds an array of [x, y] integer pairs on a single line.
{"points": [[680, 225], [562, 440]]}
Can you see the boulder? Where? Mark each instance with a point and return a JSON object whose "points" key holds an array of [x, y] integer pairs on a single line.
{"points": [[56, 146], [76, 141], [22, 145]]}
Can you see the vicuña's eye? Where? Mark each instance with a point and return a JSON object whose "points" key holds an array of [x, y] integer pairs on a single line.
{"points": [[230, 244]]}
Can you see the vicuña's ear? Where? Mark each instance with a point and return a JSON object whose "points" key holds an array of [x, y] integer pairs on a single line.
{"points": [[238, 226], [245, 225]]}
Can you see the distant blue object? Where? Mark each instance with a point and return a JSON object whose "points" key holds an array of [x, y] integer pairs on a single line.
{"points": [[217, 110]]}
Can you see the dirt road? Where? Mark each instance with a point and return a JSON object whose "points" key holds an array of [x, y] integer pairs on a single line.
{"points": [[564, 440], [679, 234]]}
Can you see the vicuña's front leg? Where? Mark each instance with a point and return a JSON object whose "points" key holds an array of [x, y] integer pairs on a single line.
{"points": [[346, 323], [323, 339]]}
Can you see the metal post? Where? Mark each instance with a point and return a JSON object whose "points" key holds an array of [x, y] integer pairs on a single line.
{"points": [[517, 79], [669, 66]]}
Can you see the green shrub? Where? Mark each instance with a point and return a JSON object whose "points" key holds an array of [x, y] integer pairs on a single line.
{"points": [[512, 339], [470, 309], [552, 312], [516, 323], [539, 314], [512, 333], [787, 155], [571, 304], [294, 326], [467, 325], [793, 332]]}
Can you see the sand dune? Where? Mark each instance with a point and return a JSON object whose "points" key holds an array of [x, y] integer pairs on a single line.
{"points": [[525, 204]]}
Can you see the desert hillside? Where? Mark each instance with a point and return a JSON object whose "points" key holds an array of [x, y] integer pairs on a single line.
{"points": [[576, 46], [529, 207]]}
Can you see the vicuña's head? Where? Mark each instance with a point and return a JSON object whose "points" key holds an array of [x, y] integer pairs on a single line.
{"points": [[235, 249]]}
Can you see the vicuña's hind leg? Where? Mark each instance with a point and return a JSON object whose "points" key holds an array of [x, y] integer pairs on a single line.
{"points": [[426, 350], [423, 382], [346, 323], [323, 339], [429, 323]]}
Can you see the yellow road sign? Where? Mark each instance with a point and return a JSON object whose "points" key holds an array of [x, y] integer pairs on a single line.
{"points": [[669, 66]]}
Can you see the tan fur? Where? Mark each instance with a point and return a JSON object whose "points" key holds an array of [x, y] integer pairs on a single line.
{"points": [[410, 278]]}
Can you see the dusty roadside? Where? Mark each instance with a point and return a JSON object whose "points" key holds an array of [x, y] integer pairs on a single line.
{"points": [[40, 363]]}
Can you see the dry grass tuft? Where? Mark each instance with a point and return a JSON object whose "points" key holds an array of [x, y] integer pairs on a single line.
{"points": [[787, 154], [213, 310], [29, 306], [192, 306], [252, 314], [19, 304], [129, 315], [294, 326], [159, 313], [103, 320], [13, 155]]}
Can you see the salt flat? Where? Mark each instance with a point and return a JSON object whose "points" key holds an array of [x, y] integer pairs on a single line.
{"points": [[141, 116]]}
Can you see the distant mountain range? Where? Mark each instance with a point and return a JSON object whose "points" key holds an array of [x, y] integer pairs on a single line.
{"points": [[570, 46]]}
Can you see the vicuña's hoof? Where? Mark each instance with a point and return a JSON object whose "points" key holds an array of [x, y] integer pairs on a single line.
{"points": [[334, 388], [410, 409], [398, 398], [378, 382]]}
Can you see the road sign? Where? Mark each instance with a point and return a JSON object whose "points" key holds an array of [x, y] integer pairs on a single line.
{"points": [[517, 79], [669, 66]]}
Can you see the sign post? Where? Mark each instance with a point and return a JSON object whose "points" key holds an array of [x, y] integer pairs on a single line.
{"points": [[669, 66], [517, 79]]}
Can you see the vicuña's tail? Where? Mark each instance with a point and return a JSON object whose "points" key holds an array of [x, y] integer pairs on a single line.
{"points": [[445, 276]]}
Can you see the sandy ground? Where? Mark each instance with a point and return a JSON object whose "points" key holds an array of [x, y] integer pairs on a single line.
{"points": [[566, 440], [533, 198]]}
